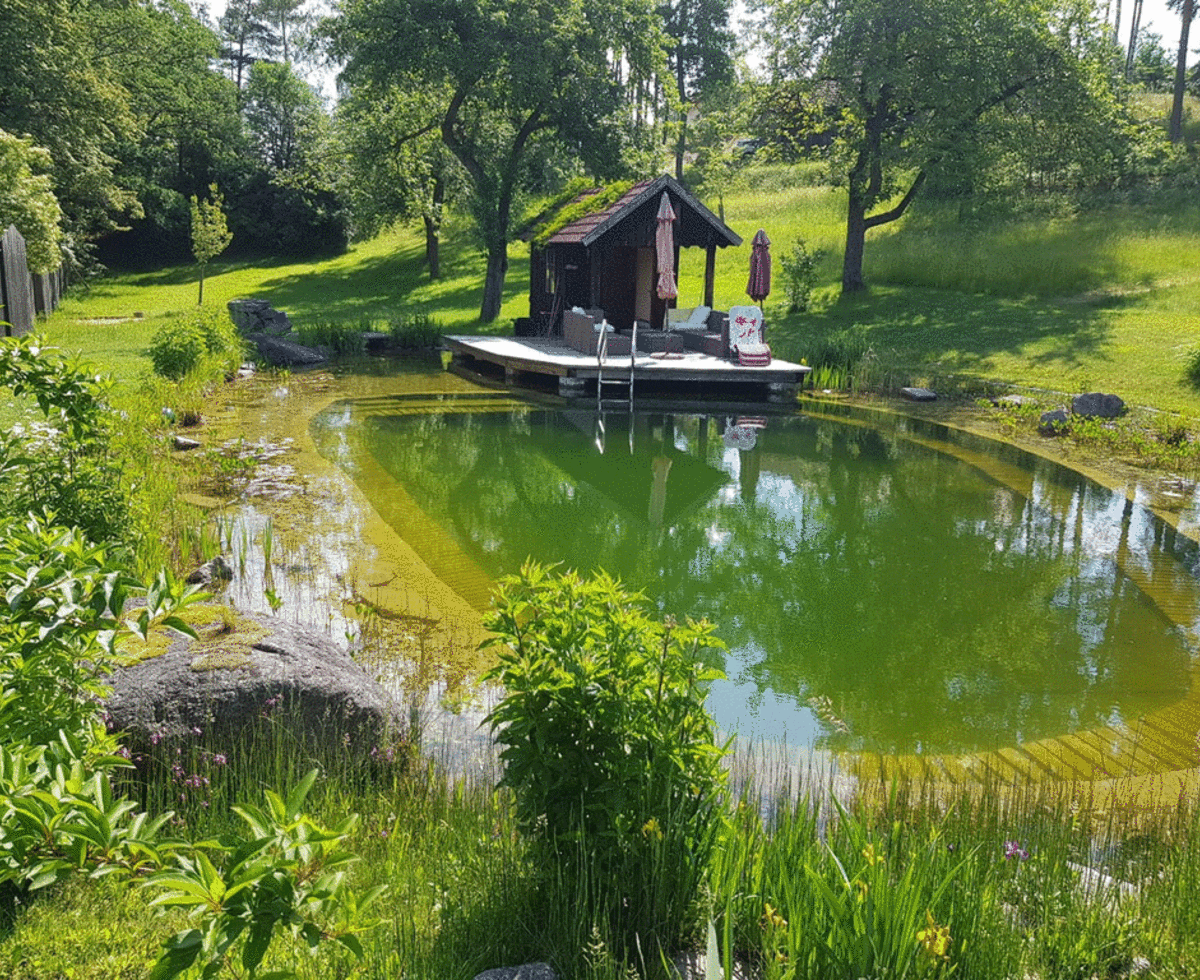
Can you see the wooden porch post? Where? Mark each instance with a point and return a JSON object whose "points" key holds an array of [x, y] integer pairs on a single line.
{"points": [[710, 273]]}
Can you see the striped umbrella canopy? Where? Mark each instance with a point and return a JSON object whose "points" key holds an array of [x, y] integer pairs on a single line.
{"points": [[759, 286], [664, 246]]}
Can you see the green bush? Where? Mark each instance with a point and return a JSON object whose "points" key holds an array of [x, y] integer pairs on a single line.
{"points": [[62, 462], [607, 744], [800, 275], [181, 345]]}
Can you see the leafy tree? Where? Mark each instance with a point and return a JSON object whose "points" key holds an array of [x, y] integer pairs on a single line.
{"points": [[27, 201], [1152, 68], [187, 130], [506, 82], [210, 232], [287, 19], [246, 37], [283, 115], [60, 88], [904, 87], [698, 55], [394, 164], [1187, 13]]}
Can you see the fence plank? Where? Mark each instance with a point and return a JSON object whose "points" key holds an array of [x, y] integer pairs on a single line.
{"points": [[16, 285]]}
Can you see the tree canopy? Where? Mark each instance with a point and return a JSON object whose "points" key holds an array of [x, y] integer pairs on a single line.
{"points": [[902, 88], [504, 80]]}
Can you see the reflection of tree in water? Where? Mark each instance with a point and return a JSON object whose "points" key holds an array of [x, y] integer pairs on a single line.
{"points": [[875, 574]]}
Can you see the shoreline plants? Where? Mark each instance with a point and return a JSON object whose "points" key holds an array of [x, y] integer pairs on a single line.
{"points": [[610, 843]]}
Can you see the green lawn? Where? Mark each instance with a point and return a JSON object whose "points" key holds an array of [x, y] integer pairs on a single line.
{"points": [[1106, 298]]}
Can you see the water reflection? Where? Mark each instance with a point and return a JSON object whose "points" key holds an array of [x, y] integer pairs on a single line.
{"points": [[876, 594]]}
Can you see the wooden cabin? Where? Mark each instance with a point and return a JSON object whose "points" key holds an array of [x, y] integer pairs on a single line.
{"points": [[606, 260]]}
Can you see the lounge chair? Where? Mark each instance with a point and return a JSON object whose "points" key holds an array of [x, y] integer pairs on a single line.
{"points": [[746, 336]]}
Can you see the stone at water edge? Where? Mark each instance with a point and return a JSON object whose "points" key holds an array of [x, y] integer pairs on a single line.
{"points": [[218, 569], [1097, 405], [183, 444], [919, 394], [285, 353], [527, 971], [1014, 401], [231, 682], [1054, 423]]}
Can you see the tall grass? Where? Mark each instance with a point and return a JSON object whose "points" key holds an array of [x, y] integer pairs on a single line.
{"points": [[985, 882]]}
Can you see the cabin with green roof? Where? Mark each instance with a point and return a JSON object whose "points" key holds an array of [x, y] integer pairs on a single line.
{"points": [[605, 258]]}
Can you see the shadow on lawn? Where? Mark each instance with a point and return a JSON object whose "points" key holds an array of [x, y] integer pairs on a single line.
{"points": [[958, 333]]}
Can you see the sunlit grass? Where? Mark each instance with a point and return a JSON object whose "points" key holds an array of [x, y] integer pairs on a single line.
{"points": [[1074, 296]]}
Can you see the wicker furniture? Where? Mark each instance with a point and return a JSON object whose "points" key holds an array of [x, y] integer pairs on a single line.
{"points": [[701, 329], [580, 332]]}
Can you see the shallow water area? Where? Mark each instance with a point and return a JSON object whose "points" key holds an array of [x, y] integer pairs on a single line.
{"points": [[892, 594]]}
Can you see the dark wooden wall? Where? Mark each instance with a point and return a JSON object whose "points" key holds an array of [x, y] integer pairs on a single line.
{"points": [[23, 296]]}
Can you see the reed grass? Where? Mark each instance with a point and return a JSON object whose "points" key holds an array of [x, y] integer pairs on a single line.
{"points": [[1002, 868]]}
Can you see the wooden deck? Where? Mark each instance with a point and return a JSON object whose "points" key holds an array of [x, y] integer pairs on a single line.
{"points": [[538, 361]]}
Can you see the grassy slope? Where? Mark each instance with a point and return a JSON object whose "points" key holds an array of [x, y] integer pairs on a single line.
{"points": [[1108, 299]]}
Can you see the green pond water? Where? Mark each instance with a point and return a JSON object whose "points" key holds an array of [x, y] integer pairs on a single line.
{"points": [[878, 590]]}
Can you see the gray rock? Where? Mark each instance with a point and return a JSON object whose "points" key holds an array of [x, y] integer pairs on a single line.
{"points": [[527, 971], [229, 682], [1096, 405], [218, 569], [284, 353], [919, 394], [183, 444], [1054, 423], [258, 316], [1013, 401]]}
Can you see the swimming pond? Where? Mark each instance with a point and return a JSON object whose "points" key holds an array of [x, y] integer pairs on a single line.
{"points": [[883, 592]]}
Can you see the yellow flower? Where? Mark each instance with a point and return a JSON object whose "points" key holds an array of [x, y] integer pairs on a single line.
{"points": [[934, 939], [651, 829], [872, 858], [771, 919]]}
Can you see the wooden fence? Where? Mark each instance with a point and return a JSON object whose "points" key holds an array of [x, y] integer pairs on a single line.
{"points": [[24, 295]]}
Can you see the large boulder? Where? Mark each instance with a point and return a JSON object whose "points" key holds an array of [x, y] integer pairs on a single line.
{"points": [[1097, 405], [241, 672], [284, 353], [258, 316]]}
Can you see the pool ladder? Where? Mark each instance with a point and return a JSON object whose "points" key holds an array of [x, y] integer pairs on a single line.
{"points": [[625, 381]]}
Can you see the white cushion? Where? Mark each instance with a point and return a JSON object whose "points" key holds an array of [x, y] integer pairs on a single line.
{"points": [[699, 316]]}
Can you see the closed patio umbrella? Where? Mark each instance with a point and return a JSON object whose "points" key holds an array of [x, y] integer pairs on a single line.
{"points": [[664, 246], [759, 286]]}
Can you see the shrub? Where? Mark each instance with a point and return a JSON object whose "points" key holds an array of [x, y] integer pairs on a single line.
{"points": [[176, 348], [607, 744], [182, 344], [800, 275], [63, 462]]}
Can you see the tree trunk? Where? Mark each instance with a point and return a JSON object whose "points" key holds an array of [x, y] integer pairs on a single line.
{"points": [[681, 143], [856, 237], [433, 229], [1176, 127], [493, 285]]}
